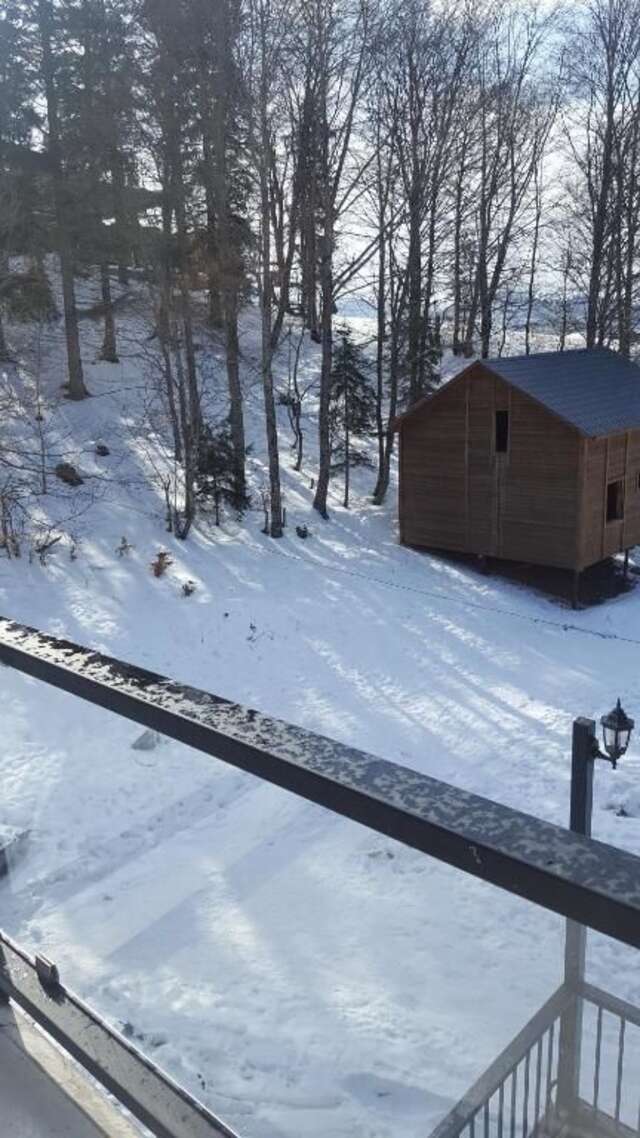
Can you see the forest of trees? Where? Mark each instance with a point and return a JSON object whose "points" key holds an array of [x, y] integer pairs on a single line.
{"points": [[462, 168]]}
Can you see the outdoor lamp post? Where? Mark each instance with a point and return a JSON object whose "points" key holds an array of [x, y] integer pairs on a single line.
{"points": [[616, 733]]}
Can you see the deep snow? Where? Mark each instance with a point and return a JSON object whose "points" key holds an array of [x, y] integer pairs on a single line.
{"points": [[301, 975]]}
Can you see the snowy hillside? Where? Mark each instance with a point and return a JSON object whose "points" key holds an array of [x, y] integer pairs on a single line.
{"points": [[301, 975]]}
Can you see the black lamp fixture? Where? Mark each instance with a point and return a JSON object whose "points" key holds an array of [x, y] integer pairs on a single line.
{"points": [[616, 733]]}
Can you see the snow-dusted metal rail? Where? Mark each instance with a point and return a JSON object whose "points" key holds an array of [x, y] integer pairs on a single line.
{"points": [[580, 878]]}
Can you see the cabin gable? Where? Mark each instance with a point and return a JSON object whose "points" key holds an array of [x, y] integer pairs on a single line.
{"points": [[432, 471], [487, 470]]}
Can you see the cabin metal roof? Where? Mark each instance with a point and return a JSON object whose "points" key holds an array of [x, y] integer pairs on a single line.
{"points": [[593, 389]]}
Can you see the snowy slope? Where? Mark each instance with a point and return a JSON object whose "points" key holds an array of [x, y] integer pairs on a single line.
{"points": [[301, 975]]}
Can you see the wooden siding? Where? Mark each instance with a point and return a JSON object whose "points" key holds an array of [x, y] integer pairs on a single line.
{"points": [[482, 518], [433, 479], [541, 500], [608, 460], [458, 494], [631, 528]]}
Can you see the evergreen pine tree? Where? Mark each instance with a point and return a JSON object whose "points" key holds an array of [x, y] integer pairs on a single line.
{"points": [[17, 120], [432, 355], [215, 482], [351, 408]]}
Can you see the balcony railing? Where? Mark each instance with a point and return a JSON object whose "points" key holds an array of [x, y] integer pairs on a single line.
{"points": [[583, 880]]}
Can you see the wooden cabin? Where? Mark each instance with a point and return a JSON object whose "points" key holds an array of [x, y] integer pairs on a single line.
{"points": [[530, 458]]}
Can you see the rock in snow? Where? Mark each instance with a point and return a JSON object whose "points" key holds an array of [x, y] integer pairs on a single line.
{"points": [[12, 842], [148, 741], [68, 473]]}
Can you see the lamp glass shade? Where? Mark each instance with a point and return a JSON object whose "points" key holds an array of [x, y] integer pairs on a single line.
{"points": [[616, 732]]}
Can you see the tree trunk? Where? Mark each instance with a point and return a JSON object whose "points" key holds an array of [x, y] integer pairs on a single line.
{"points": [[327, 197], [472, 316], [380, 341], [109, 352], [295, 401], [165, 322], [309, 272], [414, 269], [215, 306], [5, 355], [533, 264], [308, 214], [123, 222], [272, 445], [266, 305], [347, 447], [236, 417], [486, 324], [397, 301], [171, 401], [598, 235], [326, 331], [505, 321], [631, 250], [382, 484], [76, 386], [183, 520], [285, 255], [427, 380], [195, 410], [229, 257], [564, 305], [457, 264]]}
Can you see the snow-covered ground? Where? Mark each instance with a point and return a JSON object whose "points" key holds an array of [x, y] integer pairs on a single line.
{"points": [[302, 976]]}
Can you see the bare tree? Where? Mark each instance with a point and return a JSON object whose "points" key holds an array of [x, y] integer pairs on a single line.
{"points": [[533, 261], [212, 37], [335, 43], [516, 109], [223, 80], [267, 23], [63, 203], [293, 397], [431, 51], [9, 213], [602, 135]]}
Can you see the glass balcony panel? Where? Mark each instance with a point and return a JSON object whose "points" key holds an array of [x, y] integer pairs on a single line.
{"points": [[298, 973]]}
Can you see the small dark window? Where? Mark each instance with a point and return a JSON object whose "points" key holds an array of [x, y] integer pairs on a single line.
{"points": [[502, 431], [615, 501]]}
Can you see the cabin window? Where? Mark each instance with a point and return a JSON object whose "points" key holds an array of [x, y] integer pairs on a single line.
{"points": [[615, 500], [502, 431]]}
